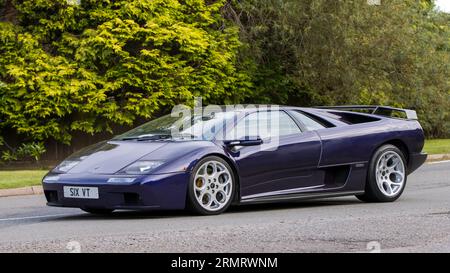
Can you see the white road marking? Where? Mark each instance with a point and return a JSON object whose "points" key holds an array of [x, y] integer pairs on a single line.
{"points": [[33, 217], [438, 162]]}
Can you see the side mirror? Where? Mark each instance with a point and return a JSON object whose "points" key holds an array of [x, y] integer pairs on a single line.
{"points": [[244, 142]]}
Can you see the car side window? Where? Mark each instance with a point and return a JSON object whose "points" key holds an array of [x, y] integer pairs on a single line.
{"points": [[265, 124], [309, 123]]}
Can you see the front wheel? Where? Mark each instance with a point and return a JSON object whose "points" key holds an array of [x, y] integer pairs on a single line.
{"points": [[211, 186], [386, 179]]}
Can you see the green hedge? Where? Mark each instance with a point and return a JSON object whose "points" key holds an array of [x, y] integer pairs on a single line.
{"points": [[66, 67]]}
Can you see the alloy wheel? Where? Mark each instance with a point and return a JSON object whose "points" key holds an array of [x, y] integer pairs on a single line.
{"points": [[390, 173], [213, 185]]}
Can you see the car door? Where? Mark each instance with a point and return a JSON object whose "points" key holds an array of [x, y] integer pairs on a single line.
{"points": [[285, 162]]}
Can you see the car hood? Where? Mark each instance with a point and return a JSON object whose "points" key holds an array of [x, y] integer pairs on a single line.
{"points": [[112, 156]]}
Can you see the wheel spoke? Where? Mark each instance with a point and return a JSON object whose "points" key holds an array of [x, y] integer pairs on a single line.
{"points": [[221, 172], [388, 187], [213, 200], [202, 171], [225, 181], [382, 162], [225, 188], [200, 191], [395, 163], [388, 157]]}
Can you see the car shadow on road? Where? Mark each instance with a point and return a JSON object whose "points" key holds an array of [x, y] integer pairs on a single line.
{"points": [[240, 209], [127, 215], [303, 204]]}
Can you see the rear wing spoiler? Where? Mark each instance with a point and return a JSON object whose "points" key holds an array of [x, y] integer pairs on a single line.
{"points": [[376, 110]]}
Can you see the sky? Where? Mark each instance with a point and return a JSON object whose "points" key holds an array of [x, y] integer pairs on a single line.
{"points": [[443, 5]]}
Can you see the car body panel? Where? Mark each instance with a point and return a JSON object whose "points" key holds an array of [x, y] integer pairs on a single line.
{"points": [[290, 165], [113, 156]]}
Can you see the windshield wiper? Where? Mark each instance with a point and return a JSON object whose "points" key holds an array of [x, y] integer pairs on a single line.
{"points": [[185, 135], [147, 137]]}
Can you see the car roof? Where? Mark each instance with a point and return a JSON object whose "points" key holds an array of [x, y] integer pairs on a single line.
{"points": [[321, 113]]}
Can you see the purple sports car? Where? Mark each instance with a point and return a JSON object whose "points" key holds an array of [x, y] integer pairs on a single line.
{"points": [[210, 160]]}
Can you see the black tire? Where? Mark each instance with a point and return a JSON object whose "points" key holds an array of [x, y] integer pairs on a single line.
{"points": [[192, 203], [372, 191], [98, 211]]}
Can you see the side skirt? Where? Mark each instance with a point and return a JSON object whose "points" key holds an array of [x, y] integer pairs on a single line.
{"points": [[295, 197]]}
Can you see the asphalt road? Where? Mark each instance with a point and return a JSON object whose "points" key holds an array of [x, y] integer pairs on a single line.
{"points": [[418, 222]]}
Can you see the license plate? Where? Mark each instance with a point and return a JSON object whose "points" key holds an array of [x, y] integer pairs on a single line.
{"points": [[81, 192]]}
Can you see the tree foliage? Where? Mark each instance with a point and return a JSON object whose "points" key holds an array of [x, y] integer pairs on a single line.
{"points": [[66, 68], [315, 52]]}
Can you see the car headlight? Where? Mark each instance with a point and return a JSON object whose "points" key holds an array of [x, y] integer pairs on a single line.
{"points": [[51, 178], [142, 167], [125, 180], [66, 165]]}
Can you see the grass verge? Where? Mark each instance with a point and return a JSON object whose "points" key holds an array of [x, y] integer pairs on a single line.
{"points": [[437, 146], [18, 179]]}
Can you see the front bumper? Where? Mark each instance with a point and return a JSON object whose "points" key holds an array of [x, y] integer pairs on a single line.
{"points": [[164, 191]]}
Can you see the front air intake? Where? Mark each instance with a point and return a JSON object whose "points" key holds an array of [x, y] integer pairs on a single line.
{"points": [[131, 198], [51, 196]]}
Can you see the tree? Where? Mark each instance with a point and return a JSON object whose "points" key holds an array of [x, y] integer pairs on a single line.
{"points": [[67, 67], [315, 52]]}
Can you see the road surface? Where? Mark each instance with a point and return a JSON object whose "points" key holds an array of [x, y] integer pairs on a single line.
{"points": [[419, 221]]}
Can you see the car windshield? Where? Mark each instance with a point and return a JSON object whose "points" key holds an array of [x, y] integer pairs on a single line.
{"points": [[201, 127]]}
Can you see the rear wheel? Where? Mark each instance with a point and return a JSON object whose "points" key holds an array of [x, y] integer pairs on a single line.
{"points": [[211, 186], [386, 179], [98, 211]]}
